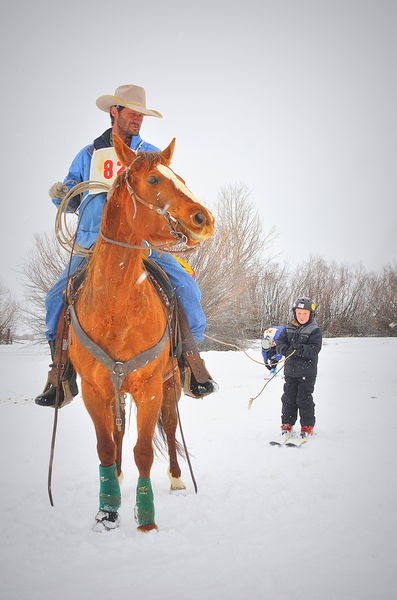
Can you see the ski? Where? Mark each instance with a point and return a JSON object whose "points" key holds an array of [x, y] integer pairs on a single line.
{"points": [[297, 442], [282, 441]]}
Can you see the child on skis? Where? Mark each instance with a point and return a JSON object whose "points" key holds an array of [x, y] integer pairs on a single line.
{"points": [[300, 342], [269, 351]]}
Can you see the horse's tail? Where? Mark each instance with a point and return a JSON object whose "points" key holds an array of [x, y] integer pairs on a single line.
{"points": [[160, 440]]}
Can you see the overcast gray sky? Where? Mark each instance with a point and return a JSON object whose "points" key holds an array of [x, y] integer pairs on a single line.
{"points": [[296, 99]]}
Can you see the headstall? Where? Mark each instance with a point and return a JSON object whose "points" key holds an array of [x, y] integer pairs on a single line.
{"points": [[172, 223]]}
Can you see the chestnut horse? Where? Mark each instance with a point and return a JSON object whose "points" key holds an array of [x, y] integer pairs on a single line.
{"points": [[119, 310]]}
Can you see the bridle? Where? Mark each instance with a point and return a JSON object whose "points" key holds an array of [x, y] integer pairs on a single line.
{"points": [[171, 222]]}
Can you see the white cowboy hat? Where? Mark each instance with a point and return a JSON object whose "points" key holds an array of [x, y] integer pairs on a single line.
{"points": [[130, 96]]}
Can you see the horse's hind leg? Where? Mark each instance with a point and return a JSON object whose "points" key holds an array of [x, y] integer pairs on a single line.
{"points": [[170, 423], [99, 408]]}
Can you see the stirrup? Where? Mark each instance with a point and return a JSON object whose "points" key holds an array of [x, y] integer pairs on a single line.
{"points": [[49, 396], [196, 389], [67, 391]]}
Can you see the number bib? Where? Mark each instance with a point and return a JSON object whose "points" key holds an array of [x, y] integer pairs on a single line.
{"points": [[105, 166]]}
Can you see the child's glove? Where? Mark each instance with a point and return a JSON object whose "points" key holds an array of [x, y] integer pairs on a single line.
{"points": [[298, 348]]}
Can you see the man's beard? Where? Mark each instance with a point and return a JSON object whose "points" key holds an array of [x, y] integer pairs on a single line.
{"points": [[133, 131]]}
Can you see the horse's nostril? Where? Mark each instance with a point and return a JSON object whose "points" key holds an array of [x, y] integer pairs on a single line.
{"points": [[199, 219]]}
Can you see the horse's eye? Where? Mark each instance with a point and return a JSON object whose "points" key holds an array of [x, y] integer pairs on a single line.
{"points": [[153, 180]]}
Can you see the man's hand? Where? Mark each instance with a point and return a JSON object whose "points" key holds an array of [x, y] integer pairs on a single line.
{"points": [[58, 190]]}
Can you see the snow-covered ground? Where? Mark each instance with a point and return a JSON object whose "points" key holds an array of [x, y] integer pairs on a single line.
{"points": [[316, 523]]}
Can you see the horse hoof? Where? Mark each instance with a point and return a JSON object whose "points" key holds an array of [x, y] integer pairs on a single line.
{"points": [[105, 521], [176, 483], [146, 528], [178, 492]]}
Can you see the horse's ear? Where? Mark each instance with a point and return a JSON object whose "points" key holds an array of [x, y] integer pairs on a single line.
{"points": [[168, 152], [124, 153]]}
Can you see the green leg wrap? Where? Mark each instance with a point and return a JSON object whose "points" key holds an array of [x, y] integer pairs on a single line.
{"points": [[144, 509], [109, 492]]}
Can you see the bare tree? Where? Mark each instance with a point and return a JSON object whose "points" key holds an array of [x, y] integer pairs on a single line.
{"points": [[272, 300], [243, 290], [228, 267], [382, 300], [239, 222], [9, 313], [41, 269], [340, 291]]}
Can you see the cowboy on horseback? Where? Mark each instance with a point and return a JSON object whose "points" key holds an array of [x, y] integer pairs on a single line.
{"points": [[98, 162]]}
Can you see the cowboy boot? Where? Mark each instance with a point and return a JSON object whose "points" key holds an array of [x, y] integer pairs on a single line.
{"points": [[196, 380], [68, 388]]}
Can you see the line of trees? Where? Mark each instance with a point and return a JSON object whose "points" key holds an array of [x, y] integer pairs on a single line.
{"points": [[9, 314], [244, 290]]}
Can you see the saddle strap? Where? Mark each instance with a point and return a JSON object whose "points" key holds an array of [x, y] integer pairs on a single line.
{"points": [[60, 367]]}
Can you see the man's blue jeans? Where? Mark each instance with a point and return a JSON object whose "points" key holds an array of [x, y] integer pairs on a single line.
{"points": [[185, 287]]}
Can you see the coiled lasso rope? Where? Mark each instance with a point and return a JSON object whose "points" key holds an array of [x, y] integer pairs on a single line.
{"points": [[65, 237]]}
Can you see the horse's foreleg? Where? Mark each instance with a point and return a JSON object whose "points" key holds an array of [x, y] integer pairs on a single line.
{"points": [[99, 407], [147, 415], [170, 422], [98, 403]]}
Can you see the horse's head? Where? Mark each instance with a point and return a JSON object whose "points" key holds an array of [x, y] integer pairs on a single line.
{"points": [[164, 195]]}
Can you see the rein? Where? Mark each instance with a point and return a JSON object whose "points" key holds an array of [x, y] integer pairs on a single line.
{"points": [[57, 398], [172, 353]]}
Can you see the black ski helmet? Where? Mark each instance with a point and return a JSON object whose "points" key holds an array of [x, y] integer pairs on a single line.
{"points": [[306, 303]]}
